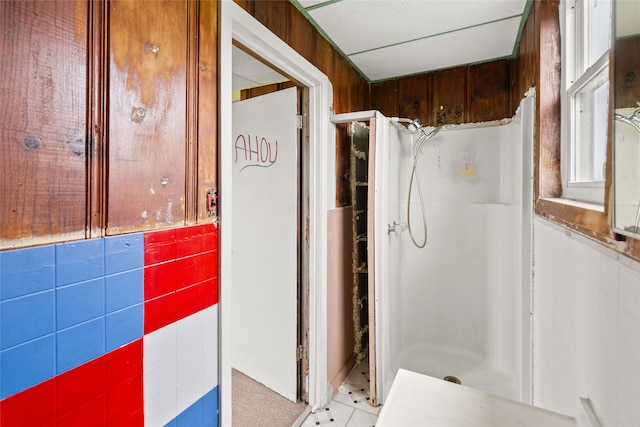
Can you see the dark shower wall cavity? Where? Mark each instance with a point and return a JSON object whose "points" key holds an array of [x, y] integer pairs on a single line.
{"points": [[359, 183]]}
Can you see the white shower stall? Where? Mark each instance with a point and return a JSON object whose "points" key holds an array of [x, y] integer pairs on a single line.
{"points": [[460, 306]]}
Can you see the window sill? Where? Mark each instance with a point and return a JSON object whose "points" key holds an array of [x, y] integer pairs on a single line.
{"points": [[589, 219], [576, 203]]}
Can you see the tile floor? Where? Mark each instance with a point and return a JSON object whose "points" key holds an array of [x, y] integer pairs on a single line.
{"points": [[350, 406]]}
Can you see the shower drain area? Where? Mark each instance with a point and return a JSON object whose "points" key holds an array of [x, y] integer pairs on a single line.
{"points": [[452, 379]]}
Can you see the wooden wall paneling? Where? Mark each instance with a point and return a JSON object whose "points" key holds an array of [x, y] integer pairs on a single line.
{"points": [[301, 35], [488, 91], [147, 106], [517, 68], [449, 96], [324, 57], [548, 100], [340, 80], [514, 97], [414, 97], [366, 94], [527, 64], [274, 14], [246, 5], [627, 72], [260, 10], [384, 97], [358, 91], [97, 104], [533, 53], [523, 64], [43, 121], [521, 58], [192, 93], [207, 109]]}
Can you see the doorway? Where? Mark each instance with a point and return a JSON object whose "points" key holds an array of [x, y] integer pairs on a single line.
{"points": [[237, 25], [266, 323]]}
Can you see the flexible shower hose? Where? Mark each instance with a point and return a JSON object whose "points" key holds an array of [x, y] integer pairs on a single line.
{"points": [[416, 175]]}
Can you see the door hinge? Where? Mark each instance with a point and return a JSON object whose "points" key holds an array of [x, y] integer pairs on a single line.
{"points": [[299, 352], [299, 122]]}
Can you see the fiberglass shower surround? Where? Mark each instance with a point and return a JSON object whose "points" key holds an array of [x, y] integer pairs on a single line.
{"points": [[415, 127], [460, 306]]}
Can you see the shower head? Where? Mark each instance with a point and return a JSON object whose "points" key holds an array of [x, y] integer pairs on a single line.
{"points": [[414, 126]]}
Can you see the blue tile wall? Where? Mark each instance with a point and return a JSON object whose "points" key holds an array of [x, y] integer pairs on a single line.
{"points": [[124, 252], [26, 271], [79, 261], [80, 302], [192, 416], [63, 305], [26, 365], [210, 408], [26, 318], [124, 290], [79, 344], [124, 326], [203, 413]]}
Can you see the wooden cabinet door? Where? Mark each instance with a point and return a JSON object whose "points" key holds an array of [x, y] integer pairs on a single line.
{"points": [[147, 126], [43, 121]]}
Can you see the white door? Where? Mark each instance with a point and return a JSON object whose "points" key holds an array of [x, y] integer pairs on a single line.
{"points": [[264, 240]]}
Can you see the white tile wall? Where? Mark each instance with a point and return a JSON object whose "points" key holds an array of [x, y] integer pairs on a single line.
{"points": [[160, 410], [159, 345], [159, 378], [180, 365]]}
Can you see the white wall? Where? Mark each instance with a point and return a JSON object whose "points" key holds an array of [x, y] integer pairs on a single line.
{"points": [[586, 327]]}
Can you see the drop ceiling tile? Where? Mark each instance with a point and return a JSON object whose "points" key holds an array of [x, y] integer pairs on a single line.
{"points": [[240, 57], [258, 73], [248, 72], [476, 44], [357, 26]]}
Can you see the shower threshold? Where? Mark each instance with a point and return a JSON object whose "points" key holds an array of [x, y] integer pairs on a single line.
{"points": [[417, 399]]}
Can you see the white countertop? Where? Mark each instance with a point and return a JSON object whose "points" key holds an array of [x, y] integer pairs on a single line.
{"points": [[420, 400]]}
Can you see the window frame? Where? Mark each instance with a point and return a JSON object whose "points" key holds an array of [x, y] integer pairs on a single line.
{"points": [[576, 75]]}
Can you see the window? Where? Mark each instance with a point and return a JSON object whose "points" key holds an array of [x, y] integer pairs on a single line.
{"points": [[585, 102]]}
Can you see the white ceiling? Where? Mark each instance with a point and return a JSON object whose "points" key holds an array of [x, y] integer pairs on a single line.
{"points": [[393, 38], [248, 72], [385, 39]]}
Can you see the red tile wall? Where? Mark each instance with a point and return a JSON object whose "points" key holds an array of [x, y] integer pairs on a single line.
{"points": [[180, 273], [107, 390]]}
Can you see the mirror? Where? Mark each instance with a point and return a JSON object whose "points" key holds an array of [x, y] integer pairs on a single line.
{"points": [[626, 138]]}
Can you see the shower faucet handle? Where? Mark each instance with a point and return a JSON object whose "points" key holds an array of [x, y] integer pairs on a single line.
{"points": [[396, 227]]}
